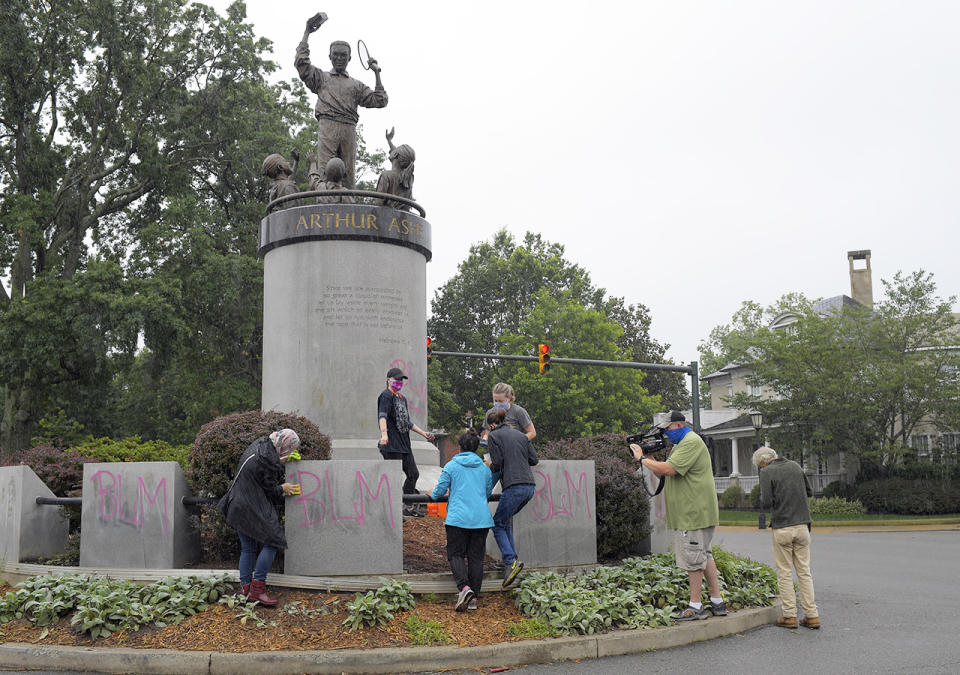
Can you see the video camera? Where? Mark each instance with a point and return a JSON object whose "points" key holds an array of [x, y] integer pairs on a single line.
{"points": [[653, 442]]}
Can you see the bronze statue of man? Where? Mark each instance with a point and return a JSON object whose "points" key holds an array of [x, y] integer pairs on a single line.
{"points": [[338, 97]]}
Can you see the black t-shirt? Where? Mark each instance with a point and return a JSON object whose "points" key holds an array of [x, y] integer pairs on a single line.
{"points": [[396, 441]]}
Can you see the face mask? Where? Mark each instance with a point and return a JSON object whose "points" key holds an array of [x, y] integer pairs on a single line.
{"points": [[396, 385], [500, 406], [676, 435]]}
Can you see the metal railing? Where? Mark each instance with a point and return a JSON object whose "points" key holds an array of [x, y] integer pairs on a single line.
{"points": [[345, 193], [818, 481], [196, 501]]}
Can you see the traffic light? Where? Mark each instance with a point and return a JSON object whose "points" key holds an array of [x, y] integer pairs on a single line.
{"points": [[543, 352], [429, 351]]}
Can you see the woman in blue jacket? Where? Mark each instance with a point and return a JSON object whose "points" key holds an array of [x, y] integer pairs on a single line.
{"points": [[468, 517]]}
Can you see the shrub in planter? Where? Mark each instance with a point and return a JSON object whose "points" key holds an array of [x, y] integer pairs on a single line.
{"points": [[60, 471], [622, 504], [213, 459], [755, 496], [132, 449], [732, 497], [832, 506]]}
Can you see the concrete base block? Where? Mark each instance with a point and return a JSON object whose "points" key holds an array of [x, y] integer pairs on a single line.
{"points": [[347, 519], [133, 516], [26, 529], [559, 525]]}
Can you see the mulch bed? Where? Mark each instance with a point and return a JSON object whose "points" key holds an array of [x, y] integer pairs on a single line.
{"points": [[219, 627], [424, 546]]}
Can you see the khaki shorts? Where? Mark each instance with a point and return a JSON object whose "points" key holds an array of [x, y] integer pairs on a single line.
{"points": [[693, 548]]}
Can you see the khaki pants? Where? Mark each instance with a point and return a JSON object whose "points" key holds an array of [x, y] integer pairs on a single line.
{"points": [[791, 550]]}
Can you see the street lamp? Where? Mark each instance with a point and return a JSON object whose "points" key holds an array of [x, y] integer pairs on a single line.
{"points": [[757, 418]]}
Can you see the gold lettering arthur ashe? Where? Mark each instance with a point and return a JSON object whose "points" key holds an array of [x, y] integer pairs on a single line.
{"points": [[351, 221], [336, 221]]}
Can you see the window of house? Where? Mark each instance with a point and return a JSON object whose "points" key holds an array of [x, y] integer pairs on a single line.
{"points": [[730, 390], [754, 390], [950, 443], [920, 443]]}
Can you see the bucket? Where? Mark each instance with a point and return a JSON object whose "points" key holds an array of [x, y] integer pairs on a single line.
{"points": [[437, 509]]}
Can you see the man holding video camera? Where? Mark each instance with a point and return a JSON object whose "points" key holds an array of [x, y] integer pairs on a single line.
{"points": [[692, 511]]}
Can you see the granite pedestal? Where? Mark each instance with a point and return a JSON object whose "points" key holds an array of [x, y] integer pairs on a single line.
{"points": [[344, 300]]}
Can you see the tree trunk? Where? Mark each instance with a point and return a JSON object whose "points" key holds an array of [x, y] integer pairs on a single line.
{"points": [[16, 427]]}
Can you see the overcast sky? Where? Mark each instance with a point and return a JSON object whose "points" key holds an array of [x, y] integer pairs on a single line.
{"points": [[689, 155]]}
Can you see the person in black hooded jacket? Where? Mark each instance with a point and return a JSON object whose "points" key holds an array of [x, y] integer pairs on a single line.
{"points": [[250, 507]]}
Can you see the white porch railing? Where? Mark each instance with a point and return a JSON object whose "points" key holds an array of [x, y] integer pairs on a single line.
{"points": [[818, 481], [746, 483]]}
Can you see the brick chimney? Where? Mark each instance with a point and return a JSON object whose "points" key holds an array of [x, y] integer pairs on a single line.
{"points": [[861, 278]]}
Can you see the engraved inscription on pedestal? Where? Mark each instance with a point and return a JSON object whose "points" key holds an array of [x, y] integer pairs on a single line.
{"points": [[364, 308]]}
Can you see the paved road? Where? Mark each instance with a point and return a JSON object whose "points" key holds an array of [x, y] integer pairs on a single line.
{"points": [[889, 603]]}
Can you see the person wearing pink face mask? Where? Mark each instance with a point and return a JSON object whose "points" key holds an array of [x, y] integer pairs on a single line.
{"points": [[395, 427]]}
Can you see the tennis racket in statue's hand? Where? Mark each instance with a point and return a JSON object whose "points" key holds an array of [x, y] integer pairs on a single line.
{"points": [[367, 61]]}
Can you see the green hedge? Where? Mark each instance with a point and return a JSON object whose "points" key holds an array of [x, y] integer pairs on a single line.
{"points": [[623, 506], [733, 497], [839, 488], [832, 506], [911, 497], [132, 449]]}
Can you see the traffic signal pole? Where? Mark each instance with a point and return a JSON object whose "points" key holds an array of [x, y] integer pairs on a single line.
{"points": [[692, 370]]}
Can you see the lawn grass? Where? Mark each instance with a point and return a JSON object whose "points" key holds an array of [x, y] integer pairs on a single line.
{"points": [[736, 517]]}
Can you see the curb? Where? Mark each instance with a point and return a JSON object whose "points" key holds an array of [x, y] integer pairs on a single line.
{"points": [[384, 660], [833, 526]]}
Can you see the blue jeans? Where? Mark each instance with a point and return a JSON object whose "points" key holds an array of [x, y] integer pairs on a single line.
{"points": [[252, 551], [512, 500]]}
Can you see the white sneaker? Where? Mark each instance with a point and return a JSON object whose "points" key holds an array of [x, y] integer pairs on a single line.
{"points": [[463, 599]]}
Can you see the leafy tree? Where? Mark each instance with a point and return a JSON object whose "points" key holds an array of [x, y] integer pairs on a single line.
{"points": [[571, 401], [729, 343], [636, 345], [496, 291], [860, 380], [131, 136]]}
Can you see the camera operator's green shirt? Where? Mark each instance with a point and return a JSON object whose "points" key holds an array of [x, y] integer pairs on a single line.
{"points": [[691, 495]]}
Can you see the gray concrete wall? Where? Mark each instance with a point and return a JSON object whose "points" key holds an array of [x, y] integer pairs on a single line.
{"points": [[133, 516], [347, 519], [559, 525], [338, 315], [27, 530], [661, 538]]}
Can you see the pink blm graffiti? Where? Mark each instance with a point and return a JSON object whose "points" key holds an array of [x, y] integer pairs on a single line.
{"points": [[109, 487], [414, 391], [319, 502], [547, 506]]}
